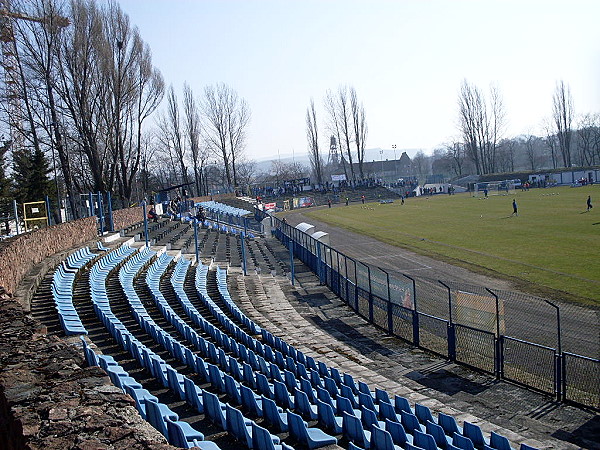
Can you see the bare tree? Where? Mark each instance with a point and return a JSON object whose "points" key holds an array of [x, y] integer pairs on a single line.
{"points": [[588, 139], [359, 124], [312, 135], [192, 128], [226, 117], [334, 127], [456, 151], [481, 125], [339, 110], [562, 114]]}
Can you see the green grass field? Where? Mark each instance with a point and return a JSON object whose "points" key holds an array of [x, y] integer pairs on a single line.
{"points": [[551, 248]]}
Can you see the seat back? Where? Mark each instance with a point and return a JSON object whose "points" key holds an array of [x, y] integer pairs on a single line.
{"points": [[401, 404], [424, 440], [448, 424], [423, 413], [369, 418], [297, 427], [382, 396], [381, 439], [397, 432], [234, 421], [366, 400], [212, 408], [271, 414], [193, 394], [438, 434], [261, 438], [232, 390], [249, 402], [344, 406], [325, 415], [499, 442], [282, 395], [353, 430], [462, 442], [410, 422], [474, 433], [387, 411], [155, 417]]}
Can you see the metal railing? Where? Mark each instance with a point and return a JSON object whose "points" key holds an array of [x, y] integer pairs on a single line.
{"points": [[509, 335]]}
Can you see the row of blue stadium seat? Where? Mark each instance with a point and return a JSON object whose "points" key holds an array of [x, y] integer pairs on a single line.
{"points": [[279, 384], [441, 432], [222, 208], [159, 415], [227, 418], [62, 290]]}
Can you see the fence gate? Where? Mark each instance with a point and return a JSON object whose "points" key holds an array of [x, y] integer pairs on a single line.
{"points": [[35, 215]]}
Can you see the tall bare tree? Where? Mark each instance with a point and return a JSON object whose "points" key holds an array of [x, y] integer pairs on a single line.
{"points": [[562, 114], [312, 135], [226, 117], [481, 124], [338, 107], [359, 125], [192, 129]]}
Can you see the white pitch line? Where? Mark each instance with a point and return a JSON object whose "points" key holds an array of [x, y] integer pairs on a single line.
{"points": [[423, 266]]}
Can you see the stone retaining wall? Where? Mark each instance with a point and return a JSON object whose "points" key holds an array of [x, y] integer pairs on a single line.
{"points": [[49, 400], [20, 253], [124, 217]]}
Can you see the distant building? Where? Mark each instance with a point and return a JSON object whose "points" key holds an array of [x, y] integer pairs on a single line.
{"points": [[388, 170]]}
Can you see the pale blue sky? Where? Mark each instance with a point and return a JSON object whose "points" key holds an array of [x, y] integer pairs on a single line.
{"points": [[406, 60]]}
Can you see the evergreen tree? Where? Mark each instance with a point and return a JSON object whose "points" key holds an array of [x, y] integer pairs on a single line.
{"points": [[4, 182], [30, 175]]}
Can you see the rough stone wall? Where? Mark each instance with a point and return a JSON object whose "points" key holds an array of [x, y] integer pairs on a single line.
{"points": [[124, 217], [20, 253], [49, 400]]}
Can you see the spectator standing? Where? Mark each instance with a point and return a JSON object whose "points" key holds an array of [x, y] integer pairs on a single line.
{"points": [[589, 202], [515, 209]]}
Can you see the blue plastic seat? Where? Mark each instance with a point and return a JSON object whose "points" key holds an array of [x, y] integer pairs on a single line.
{"points": [[411, 423], [441, 440], [401, 404], [398, 433], [239, 427], [382, 396], [449, 424], [382, 440], [193, 395], [369, 419], [387, 411], [527, 447], [423, 413], [353, 430], [304, 407], [282, 396], [344, 406], [232, 390], [213, 409], [474, 433], [311, 437], [367, 401], [181, 434], [424, 440], [274, 415], [462, 442], [176, 382], [499, 442], [157, 413], [249, 402], [327, 419], [263, 440], [263, 386]]}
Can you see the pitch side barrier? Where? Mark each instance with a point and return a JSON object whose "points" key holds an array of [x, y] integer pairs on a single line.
{"points": [[471, 325]]}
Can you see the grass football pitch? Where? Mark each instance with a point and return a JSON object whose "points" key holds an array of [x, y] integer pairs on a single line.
{"points": [[551, 248]]}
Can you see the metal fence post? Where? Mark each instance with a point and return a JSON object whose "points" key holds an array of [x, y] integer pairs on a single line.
{"points": [[16, 213], [451, 329], [558, 357], [244, 253], [91, 207], [48, 212], [319, 264], [196, 240], [145, 222], [390, 310], [370, 294], [498, 356], [101, 213], [110, 211], [291, 243], [415, 318]]}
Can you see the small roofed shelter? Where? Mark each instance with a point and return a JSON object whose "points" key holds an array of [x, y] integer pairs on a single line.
{"points": [[321, 236], [306, 228]]}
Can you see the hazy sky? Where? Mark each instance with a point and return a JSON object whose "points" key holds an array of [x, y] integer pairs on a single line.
{"points": [[406, 59]]}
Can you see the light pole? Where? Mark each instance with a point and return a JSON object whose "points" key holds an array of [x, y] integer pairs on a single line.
{"points": [[381, 153], [395, 162]]}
